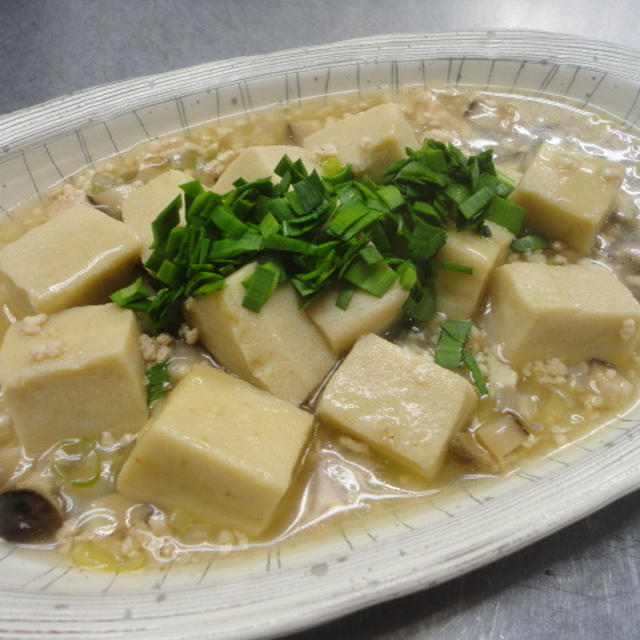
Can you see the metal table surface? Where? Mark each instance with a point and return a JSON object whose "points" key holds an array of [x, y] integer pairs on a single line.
{"points": [[583, 582]]}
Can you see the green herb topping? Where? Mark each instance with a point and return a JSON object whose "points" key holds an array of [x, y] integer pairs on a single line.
{"points": [[157, 381], [451, 352], [314, 231]]}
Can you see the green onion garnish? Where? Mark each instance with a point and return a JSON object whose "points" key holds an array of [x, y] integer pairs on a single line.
{"points": [[456, 267], [77, 461], [372, 278], [135, 296], [506, 213], [453, 337], [260, 286], [321, 231], [345, 295], [476, 374], [157, 381], [529, 243]]}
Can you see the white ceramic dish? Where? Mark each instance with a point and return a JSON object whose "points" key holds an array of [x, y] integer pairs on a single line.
{"points": [[311, 580]]}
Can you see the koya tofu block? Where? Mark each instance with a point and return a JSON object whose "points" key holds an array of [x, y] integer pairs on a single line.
{"points": [[572, 312], [78, 257], [73, 374], [401, 403], [369, 141], [220, 448], [567, 196], [365, 314], [278, 349], [459, 294], [255, 163], [142, 207]]}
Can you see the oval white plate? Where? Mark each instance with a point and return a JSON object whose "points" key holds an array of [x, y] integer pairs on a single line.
{"points": [[308, 581]]}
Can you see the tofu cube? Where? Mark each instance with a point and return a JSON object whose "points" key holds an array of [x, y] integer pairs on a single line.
{"points": [[369, 141], [73, 374], [255, 163], [567, 196], [572, 312], [142, 207], [365, 314], [278, 349], [78, 257], [219, 448], [401, 403], [300, 129], [458, 295]]}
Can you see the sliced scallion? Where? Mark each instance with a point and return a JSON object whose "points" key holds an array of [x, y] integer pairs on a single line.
{"points": [[529, 243], [453, 337], [260, 286], [456, 267], [77, 461]]}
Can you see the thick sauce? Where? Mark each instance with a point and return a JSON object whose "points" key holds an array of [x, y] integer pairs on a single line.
{"points": [[339, 475]]}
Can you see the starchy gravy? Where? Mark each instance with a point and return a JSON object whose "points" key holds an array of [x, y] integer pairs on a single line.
{"points": [[342, 477]]}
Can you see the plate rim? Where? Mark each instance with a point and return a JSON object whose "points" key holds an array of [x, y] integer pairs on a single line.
{"points": [[28, 126]]}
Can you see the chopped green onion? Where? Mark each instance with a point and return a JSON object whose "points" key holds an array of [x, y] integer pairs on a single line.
{"points": [[345, 295], [227, 222], [435, 159], [310, 191], [408, 275], [169, 274], [453, 337], [372, 278], [391, 196], [458, 192], [330, 165], [260, 286], [417, 172], [269, 225], [457, 267], [506, 213], [476, 374], [157, 381], [508, 183], [230, 248], [425, 241], [135, 296], [77, 461], [320, 231], [277, 242], [370, 254], [476, 202], [346, 216], [528, 243], [420, 306]]}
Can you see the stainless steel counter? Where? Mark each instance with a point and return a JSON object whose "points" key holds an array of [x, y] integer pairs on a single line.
{"points": [[583, 582]]}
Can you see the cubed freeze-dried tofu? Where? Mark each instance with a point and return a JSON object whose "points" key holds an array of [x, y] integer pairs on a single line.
{"points": [[259, 162], [75, 373], [369, 141], [365, 314], [567, 196], [142, 207], [459, 294], [220, 448], [278, 348], [78, 257], [401, 403], [572, 312]]}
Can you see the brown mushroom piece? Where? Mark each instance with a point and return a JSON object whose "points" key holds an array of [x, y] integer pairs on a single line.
{"points": [[27, 516]]}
